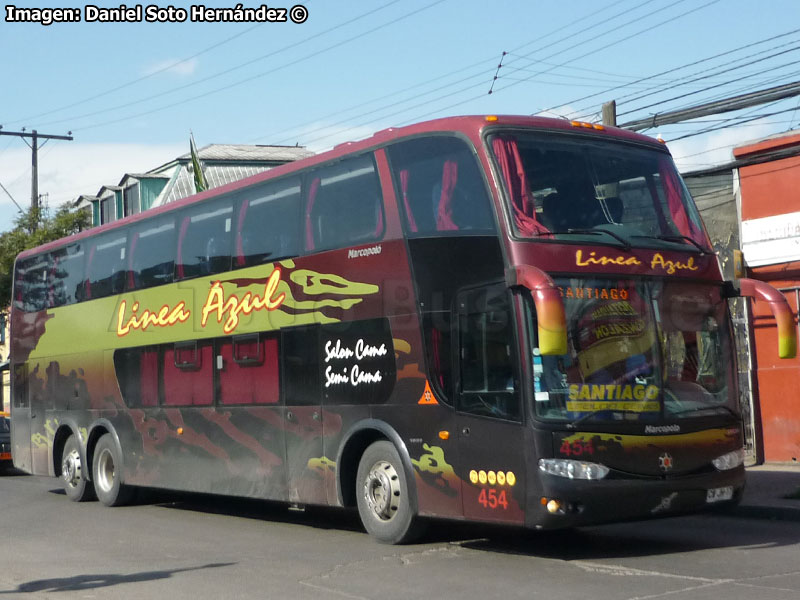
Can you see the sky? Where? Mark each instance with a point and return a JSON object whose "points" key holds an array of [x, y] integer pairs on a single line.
{"points": [[130, 93]]}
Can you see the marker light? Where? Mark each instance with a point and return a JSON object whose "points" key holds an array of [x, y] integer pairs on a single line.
{"points": [[491, 118], [729, 461], [586, 125], [572, 469]]}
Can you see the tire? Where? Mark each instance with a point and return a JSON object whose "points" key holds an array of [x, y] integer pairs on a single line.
{"points": [[106, 473], [384, 497], [74, 473]]}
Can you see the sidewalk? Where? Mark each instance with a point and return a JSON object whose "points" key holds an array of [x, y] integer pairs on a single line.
{"points": [[772, 492]]}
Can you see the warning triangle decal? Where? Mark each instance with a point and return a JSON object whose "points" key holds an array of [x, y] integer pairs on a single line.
{"points": [[427, 395]]}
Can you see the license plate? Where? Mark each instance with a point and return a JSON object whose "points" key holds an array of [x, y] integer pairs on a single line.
{"points": [[719, 494]]}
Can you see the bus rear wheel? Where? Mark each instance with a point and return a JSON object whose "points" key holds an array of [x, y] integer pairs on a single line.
{"points": [[73, 473], [106, 474], [383, 495]]}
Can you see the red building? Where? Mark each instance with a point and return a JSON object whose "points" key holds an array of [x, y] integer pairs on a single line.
{"points": [[769, 180]]}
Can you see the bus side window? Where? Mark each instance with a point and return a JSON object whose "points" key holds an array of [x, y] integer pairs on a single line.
{"points": [[204, 240], [106, 266], [33, 291], [67, 275], [344, 205], [151, 255], [440, 187], [267, 223], [488, 384]]}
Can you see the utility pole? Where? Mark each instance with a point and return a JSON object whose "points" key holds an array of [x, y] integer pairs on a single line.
{"points": [[34, 146], [610, 113]]}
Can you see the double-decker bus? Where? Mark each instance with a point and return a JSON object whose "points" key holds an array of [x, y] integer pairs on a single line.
{"points": [[505, 319]]}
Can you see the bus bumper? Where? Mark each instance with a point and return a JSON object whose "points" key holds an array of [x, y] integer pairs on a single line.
{"points": [[562, 502]]}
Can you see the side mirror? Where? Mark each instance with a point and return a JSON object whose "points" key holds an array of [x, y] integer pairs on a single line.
{"points": [[784, 317], [550, 314]]}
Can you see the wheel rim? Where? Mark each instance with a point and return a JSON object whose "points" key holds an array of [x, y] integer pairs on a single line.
{"points": [[71, 469], [105, 470], [382, 490]]}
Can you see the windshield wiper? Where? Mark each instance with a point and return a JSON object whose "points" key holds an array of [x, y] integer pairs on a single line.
{"points": [[624, 244], [676, 238], [703, 409], [574, 424]]}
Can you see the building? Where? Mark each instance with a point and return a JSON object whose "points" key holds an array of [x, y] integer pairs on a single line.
{"points": [[222, 163], [769, 182]]}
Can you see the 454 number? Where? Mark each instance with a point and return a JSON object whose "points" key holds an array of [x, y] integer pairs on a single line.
{"points": [[492, 498], [576, 448]]}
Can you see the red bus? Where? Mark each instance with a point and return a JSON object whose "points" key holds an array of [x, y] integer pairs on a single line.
{"points": [[505, 319]]}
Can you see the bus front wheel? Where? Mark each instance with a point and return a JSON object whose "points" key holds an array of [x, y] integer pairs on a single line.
{"points": [[106, 473], [74, 473], [382, 495]]}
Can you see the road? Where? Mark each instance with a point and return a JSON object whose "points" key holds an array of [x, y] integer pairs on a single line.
{"points": [[179, 546]]}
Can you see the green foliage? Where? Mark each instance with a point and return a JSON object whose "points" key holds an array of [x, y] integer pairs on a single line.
{"points": [[32, 229]]}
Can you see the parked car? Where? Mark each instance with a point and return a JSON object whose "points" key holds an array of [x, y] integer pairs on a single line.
{"points": [[5, 440]]}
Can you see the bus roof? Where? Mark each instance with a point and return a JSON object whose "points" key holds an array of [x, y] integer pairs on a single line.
{"points": [[471, 125]]}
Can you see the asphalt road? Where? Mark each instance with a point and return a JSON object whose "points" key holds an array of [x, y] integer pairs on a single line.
{"points": [[178, 546]]}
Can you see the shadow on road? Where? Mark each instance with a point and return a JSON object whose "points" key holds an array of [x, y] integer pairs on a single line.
{"points": [[319, 517], [90, 582], [642, 538], [645, 538]]}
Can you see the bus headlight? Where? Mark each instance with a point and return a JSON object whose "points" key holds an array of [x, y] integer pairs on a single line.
{"points": [[572, 469], [729, 461]]}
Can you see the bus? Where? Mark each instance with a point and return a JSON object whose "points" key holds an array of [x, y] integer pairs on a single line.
{"points": [[502, 319]]}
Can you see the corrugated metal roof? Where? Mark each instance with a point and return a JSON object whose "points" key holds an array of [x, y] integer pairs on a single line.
{"points": [[240, 152], [216, 176]]}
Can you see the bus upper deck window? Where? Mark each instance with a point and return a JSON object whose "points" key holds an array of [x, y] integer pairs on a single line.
{"points": [[440, 187]]}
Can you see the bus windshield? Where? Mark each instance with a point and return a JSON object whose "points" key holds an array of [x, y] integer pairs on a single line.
{"points": [[644, 351], [573, 189]]}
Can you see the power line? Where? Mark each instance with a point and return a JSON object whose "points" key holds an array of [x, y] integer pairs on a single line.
{"points": [[720, 106], [795, 49], [678, 68], [422, 84], [264, 73], [138, 79], [472, 98], [225, 71]]}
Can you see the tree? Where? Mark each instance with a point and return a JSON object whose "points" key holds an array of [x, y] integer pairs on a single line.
{"points": [[32, 228]]}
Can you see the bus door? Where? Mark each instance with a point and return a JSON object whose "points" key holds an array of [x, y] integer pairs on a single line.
{"points": [[489, 408], [303, 415]]}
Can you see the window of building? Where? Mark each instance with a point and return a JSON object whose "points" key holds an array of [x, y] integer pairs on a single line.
{"points": [[131, 199], [107, 211]]}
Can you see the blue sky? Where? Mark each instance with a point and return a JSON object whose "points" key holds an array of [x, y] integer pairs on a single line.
{"points": [[131, 92]]}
